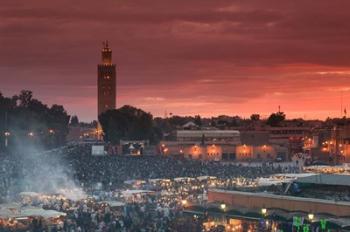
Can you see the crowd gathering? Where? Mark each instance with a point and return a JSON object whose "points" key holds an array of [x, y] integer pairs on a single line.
{"points": [[172, 182], [111, 170]]}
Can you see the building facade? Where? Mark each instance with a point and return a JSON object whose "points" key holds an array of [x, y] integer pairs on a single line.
{"points": [[202, 144], [229, 145], [106, 81]]}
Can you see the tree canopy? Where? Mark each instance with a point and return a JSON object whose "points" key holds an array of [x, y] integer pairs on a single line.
{"points": [[22, 115], [255, 117], [128, 123], [275, 119]]}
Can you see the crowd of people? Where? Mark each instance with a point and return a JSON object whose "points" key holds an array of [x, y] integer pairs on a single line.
{"points": [[77, 163], [113, 170], [156, 210], [175, 180]]}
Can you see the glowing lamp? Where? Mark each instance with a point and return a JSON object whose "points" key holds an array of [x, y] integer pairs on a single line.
{"points": [[264, 211], [311, 216], [223, 206]]}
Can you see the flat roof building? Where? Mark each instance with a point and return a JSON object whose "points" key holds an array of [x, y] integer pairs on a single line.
{"points": [[208, 136]]}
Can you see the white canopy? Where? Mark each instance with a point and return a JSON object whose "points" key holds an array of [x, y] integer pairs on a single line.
{"points": [[158, 180], [131, 147], [39, 212], [113, 203], [136, 191], [131, 182], [201, 178], [15, 211], [178, 179], [9, 210], [281, 178], [29, 194], [269, 181]]}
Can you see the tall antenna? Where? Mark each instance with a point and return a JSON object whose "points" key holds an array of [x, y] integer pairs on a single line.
{"points": [[341, 103]]}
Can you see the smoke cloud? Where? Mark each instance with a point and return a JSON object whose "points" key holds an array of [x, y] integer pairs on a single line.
{"points": [[44, 172]]}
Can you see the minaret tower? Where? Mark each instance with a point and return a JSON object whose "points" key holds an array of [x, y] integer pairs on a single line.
{"points": [[106, 81]]}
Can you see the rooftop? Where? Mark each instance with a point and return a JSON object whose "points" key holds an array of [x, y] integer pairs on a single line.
{"points": [[326, 179]]}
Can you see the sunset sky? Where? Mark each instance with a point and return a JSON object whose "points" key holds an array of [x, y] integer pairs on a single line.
{"points": [[187, 57]]}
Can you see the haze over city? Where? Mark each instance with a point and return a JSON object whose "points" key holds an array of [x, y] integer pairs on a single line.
{"points": [[183, 57]]}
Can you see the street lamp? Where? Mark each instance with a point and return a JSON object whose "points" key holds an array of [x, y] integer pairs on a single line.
{"points": [[7, 134], [51, 131], [263, 211], [311, 216], [31, 134], [264, 147], [223, 206]]}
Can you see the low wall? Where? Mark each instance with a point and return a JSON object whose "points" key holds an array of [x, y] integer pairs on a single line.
{"points": [[289, 203]]}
